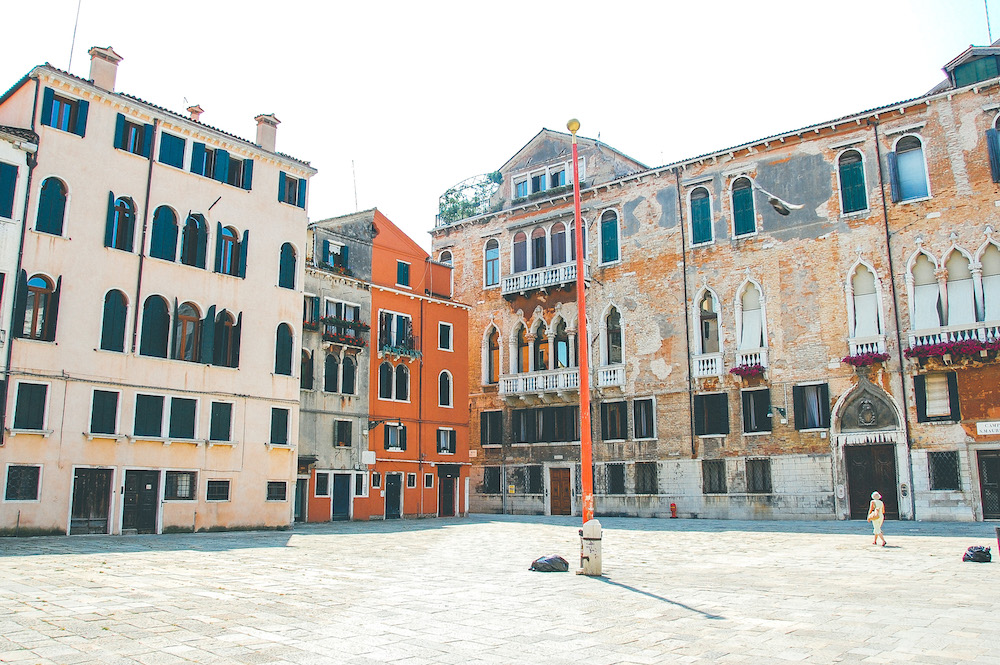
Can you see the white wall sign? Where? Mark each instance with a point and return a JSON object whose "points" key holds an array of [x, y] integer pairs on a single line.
{"points": [[988, 428]]}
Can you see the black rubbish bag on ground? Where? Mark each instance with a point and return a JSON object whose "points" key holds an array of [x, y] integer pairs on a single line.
{"points": [[978, 554], [550, 563]]}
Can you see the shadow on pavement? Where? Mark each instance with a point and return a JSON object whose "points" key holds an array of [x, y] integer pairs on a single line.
{"points": [[660, 598]]}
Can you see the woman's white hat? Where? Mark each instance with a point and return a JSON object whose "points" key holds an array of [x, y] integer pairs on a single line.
{"points": [[876, 495]]}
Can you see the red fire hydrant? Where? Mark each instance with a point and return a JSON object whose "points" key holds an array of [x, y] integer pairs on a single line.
{"points": [[673, 511]]}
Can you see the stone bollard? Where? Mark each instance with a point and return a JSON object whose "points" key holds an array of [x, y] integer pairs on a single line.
{"points": [[590, 549]]}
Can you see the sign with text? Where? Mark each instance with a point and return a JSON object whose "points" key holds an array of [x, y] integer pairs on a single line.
{"points": [[988, 428]]}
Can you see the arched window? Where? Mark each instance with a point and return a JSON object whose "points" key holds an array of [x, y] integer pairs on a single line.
{"points": [[523, 350], [402, 383], [541, 348], [926, 295], [187, 333], [744, 217], [444, 389], [866, 323], [194, 241], [572, 241], [564, 358], [853, 193], [228, 254], [286, 267], [446, 258], [708, 324], [538, 241], [491, 263], [226, 344], [113, 328], [163, 243], [283, 350], [961, 298], [121, 224], [155, 327], [558, 236], [609, 237], [910, 178], [306, 371], [991, 283], [38, 308], [350, 376], [385, 375], [701, 216], [493, 356], [752, 331], [51, 207], [520, 252], [613, 329], [331, 374]]}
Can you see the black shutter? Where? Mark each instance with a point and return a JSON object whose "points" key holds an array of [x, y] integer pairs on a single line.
{"points": [[326, 252], [207, 336], [52, 313], [920, 396], [385, 437], [956, 413], [147, 140], [699, 414], [109, 224], [604, 422], [798, 407], [484, 427], [82, 107], [893, 177], [236, 341], [824, 405], [993, 149], [177, 338], [202, 242], [244, 247], [402, 437], [218, 247], [762, 404], [719, 414], [247, 174], [20, 301]]}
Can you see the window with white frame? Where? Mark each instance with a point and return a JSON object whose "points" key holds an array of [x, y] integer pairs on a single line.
{"points": [[428, 481], [756, 411], [539, 243], [744, 216], [491, 263], [411, 480], [811, 405], [322, 483], [394, 437], [104, 412], [908, 170], [708, 323], [926, 304], [23, 482], [752, 329], [376, 480], [445, 336], [180, 485], [446, 440], [866, 305], [700, 214], [851, 173], [614, 350], [550, 177], [644, 417], [445, 388], [519, 255], [990, 261], [961, 298], [610, 250], [395, 331]]}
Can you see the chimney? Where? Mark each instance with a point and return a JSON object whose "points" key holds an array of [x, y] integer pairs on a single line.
{"points": [[195, 112], [267, 131], [104, 67]]}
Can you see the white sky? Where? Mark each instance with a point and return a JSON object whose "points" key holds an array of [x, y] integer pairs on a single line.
{"points": [[423, 94]]}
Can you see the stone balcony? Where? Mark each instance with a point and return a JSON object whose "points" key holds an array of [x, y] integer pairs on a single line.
{"points": [[707, 364], [547, 386], [611, 376], [860, 345], [982, 331], [549, 277], [751, 357]]}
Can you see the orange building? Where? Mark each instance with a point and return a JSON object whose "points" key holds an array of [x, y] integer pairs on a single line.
{"points": [[418, 423]]}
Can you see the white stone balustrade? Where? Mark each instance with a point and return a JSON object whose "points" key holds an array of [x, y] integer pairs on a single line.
{"points": [[542, 278], [751, 357], [537, 383], [611, 376], [708, 364]]}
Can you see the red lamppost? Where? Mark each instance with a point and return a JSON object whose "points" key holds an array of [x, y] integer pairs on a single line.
{"points": [[583, 343]]}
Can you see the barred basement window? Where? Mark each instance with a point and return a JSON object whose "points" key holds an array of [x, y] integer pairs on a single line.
{"points": [[411, 480], [322, 484], [713, 473], [277, 490], [645, 478], [180, 485], [490, 427], [376, 479], [22, 483], [535, 479], [616, 478], [217, 490], [428, 481], [759, 476], [491, 480], [944, 470]]}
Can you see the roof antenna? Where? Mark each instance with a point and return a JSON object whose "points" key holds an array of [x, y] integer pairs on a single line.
{"points": [[989, 32], [72, 43], [354, 174]]}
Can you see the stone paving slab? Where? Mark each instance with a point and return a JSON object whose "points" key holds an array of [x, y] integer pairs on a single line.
{"points": [[459, 591]]}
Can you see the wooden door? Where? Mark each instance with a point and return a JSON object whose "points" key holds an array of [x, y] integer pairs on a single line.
{"points": [[871, 468], [446, 496], [989, 483], [301, 499], [341, 496], [91, 501], [560, 499], [141, 501], [393, 494]]}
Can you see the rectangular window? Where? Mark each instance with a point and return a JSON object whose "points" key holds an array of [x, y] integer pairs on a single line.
{"points": [[613, 421], [237, 172], [975, 71], [711, 414], [744, 220], [279, 426], [812, 406], [521, 189], [411, 480], [203, 160], [444, 336], [8, 182], [133, 137], [310, 313], [277, 490], [172, 150], [491, 480], [616, 478], [322, 483], [713, 474], [182, 417], [104, 412], [535, 479], [291, 190], [220, 428], [395, 437], [402, 273], [557, 178], [701, 217], [756, 407], [490, 428], [180, 485], [526, 425], [22, 483], [446, 441], [642, 411], [343, 435], [148, 415], [428, 480], [937, 397], [759, 476], [538, 183], [359, 484], [29, 411], [645, 478], [376, 479], [69, 115], [217, 490], [944, 470]]}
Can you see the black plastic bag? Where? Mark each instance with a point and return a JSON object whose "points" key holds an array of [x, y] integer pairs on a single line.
{"points": [[978, 554], [550, 563]]}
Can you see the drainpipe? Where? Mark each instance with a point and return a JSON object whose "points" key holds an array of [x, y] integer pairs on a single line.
{"points": [[142, 245], [895, 312], [687, 323], [420, 414], [4, 385]]}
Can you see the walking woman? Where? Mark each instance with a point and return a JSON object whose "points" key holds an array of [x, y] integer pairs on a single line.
{"points": [[876, 515]]}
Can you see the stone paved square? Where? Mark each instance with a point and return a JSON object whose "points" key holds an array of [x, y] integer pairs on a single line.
{"points": [[459, 591]]}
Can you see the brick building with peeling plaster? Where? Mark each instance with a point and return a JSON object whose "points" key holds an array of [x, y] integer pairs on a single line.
{"points": [[874, 237]]}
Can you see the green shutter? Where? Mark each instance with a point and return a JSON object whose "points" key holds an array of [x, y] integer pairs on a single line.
{"points": [[243, 249], [221, 165], [82, 107], [920, 396], [701, 221], [48, 96], [743, 215], [198, 158], [109, 224], [207, 337], [609, 241], [852, 186], [218, 247], [302, 193], [52, 313], [20, 301], [120, 132], [147, 140], [993, 152], [281, 186], [247, 174]]}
